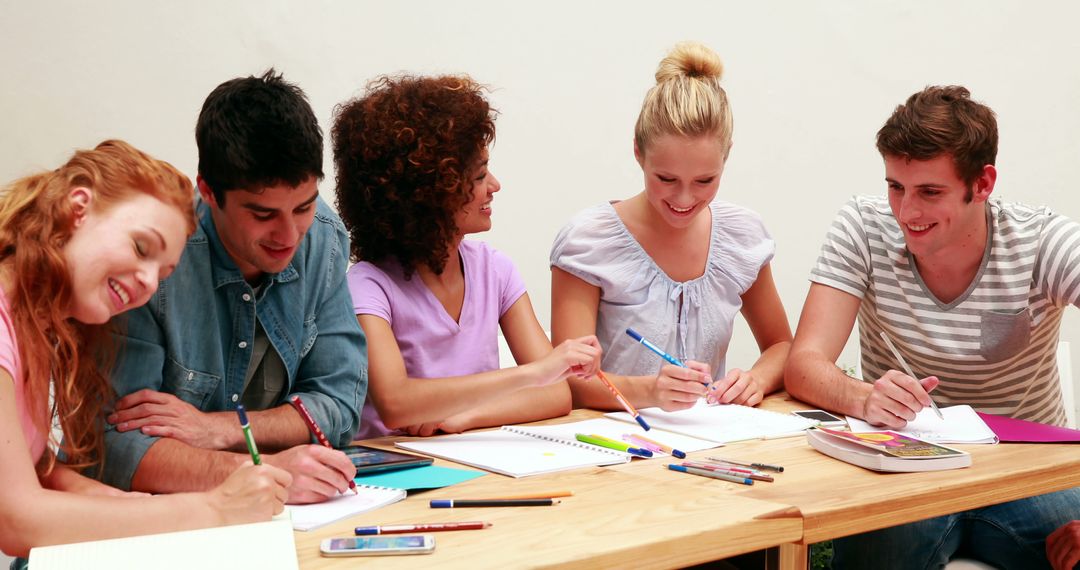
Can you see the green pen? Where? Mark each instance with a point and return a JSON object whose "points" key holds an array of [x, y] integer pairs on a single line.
{"points": [[602, 441], [244, 425]]}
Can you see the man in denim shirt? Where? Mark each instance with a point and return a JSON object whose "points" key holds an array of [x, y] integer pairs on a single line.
{"points": [[256, 311]]}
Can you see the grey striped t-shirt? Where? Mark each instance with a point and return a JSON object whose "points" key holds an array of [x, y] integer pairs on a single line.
{"points": [[993, 346]]}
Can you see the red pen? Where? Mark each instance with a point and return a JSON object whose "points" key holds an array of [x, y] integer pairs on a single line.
{"points": [[314, 427], [424, 527]]}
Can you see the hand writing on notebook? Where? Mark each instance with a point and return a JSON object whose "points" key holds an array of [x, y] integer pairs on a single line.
{"points": [[738, 386], [318, 473], [252, 493], [678, 388], [164, 415], [1063, 546], [896, 398]]}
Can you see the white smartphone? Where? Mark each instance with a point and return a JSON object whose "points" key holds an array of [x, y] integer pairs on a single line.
{"points": [[378, 545], [822, 416]]}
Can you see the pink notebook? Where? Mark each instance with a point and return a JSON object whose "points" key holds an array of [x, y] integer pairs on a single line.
{"points": [[1023, 431]]}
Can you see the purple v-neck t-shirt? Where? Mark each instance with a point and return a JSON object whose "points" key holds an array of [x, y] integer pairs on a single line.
{"points": [[432, 344]]}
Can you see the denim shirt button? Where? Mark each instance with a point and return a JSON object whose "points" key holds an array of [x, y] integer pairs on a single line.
{"points": [[235, 397], [243, 344], [246, 297]]}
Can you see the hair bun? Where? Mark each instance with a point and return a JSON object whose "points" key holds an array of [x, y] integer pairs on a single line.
{"points": [[690, 59]]}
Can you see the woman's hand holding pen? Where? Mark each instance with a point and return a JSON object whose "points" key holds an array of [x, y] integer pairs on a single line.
{"points": [[736, 387], [678, 388], [253, 493], [574, 357]]}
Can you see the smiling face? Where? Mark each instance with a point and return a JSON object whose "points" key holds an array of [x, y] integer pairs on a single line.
{"points": [[935, 209], [682, 175], [116, 257], [475, 216], [262, 230]]}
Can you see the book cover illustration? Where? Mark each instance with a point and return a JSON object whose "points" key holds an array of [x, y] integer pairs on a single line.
{"points": [[895, 444]]}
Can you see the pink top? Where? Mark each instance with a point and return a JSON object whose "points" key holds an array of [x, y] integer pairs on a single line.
{"points": [[10, 361], [432, 344]]}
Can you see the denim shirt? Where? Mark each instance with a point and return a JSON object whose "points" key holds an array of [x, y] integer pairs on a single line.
{"points": [[195, 336]]}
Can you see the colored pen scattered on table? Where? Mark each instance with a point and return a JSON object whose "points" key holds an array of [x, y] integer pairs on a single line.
{"points": [[907, 369], [650, 444], [314, 428], [713, 474], [451, 503], [622, 400], [422, 527], [765, 466], [756, 476], [250, 439], [602, 441]]}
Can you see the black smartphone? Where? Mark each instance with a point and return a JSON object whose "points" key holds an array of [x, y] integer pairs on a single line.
{"points": [[822, 416], [372, 460]]}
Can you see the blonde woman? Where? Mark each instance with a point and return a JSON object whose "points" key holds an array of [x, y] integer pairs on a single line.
{"points": [[672, 262]]}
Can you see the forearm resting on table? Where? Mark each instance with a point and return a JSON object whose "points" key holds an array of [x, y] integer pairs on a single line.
{"points": [[813, 378], [171, 466], [528, 405]]}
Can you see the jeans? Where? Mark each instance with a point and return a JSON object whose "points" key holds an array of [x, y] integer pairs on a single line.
{"points": [[1009, 535]]}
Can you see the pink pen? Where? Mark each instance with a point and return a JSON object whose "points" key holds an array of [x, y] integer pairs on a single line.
{"points": [[631, 438]]}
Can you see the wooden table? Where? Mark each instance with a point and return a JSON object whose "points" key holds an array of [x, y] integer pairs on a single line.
{"points": [[613, 519], [837, 499]]}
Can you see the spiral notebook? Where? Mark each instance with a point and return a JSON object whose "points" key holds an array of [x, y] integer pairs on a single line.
{"points": [[366, 498], [516, 451], [722, 423]]}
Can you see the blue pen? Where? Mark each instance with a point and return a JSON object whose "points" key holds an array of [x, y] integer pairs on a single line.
{"points": [[634, 335]]}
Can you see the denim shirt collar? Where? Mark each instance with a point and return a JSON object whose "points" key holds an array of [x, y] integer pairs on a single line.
{"points": [[223, 268]]}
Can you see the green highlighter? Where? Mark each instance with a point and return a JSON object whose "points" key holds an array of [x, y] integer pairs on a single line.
{"points": [[609, 443]]}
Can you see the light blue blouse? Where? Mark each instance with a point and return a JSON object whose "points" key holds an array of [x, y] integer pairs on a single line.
{"points": [[691, 319]]}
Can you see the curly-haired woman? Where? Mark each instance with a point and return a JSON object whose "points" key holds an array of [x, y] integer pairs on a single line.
{"points": [[412, 182]]}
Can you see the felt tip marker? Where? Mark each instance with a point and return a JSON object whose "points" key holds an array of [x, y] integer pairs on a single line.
{"points": [[423, 527], [248, 438], [622, 400], [601, 441], [634, 335], [713, 474]]}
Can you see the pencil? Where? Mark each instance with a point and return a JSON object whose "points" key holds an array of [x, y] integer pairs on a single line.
{"points": [[907, 369], [314, 428]]}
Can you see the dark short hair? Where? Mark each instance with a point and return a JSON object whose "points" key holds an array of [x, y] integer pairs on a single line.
{"points": [[255, 132], [942, 120], [403, 153]]}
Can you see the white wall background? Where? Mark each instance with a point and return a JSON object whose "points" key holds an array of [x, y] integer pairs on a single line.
{"points": [[810, 83]]}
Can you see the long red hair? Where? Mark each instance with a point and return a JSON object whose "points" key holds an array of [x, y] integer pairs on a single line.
{"points": [[37, 219]]}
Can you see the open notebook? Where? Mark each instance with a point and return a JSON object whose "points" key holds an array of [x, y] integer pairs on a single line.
{"points": [[722, 423], [519, 451], [961, 425], [367, 497], [266, 545]]}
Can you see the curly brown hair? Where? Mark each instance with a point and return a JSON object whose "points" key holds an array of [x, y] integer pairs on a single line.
{"points": [[403, 153]]}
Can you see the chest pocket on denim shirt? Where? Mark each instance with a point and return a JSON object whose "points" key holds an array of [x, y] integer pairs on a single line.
{"points": [[1004, 334], [311, 332], [191, 386]]}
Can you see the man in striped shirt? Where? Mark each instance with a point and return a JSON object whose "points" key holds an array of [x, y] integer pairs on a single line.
{"points": [[971, 291]]}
